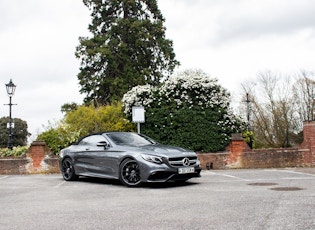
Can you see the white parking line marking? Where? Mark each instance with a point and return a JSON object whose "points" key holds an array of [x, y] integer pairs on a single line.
{"points": [[3, 177], [299, 176], [300, 173], [60, 184], [230, 176]]}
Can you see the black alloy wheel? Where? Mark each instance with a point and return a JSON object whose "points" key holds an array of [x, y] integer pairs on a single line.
{"points": [[68, 172], [130, 173]]}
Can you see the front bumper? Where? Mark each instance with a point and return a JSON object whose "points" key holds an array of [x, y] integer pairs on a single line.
{"points": [[164, 173], [162, 176]]}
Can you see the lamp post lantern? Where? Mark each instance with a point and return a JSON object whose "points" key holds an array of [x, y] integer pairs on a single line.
{"points": [[10, 90]]}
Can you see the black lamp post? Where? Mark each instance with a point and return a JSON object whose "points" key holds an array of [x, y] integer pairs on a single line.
{"points": [[10, 90], [248, 120]]}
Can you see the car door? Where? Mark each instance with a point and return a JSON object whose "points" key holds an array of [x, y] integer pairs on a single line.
{"points": [[99, 157], [82, 157]]}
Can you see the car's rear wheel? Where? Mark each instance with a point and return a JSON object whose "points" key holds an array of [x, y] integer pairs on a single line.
{"points": [[130, 173], [68, 172]]}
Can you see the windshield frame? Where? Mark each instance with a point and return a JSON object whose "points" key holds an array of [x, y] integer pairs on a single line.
{"points": [[129, 139]]}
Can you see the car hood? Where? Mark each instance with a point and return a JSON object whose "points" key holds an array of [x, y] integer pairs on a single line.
{"points": [[162, 150]]}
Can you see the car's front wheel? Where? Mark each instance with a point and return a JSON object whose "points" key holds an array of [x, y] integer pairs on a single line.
{"points": [[130, 173], [68, 172]]}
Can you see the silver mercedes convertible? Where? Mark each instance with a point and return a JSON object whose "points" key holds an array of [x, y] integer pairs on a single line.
{"points": [[130, 157]]}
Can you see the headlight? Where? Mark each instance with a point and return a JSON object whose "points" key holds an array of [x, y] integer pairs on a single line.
{"points": [[153, 159]]}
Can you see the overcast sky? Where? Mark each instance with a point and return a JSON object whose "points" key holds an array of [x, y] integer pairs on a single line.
{"points": [[232, 40]]}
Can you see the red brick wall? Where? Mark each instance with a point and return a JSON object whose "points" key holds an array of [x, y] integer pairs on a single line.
{"points": [[262, 158], [37, 153], [237, 155], [13, 165], [309, 142], [38, 160], [273, 158], [213, 160]]}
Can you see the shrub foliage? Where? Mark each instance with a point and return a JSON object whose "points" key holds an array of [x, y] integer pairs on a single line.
{"points": [[18, 151], [82, 121], [189, 109]]}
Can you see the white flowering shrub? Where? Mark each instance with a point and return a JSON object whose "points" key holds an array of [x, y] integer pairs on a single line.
{"points": [[194, 88], [189, 109], [141, 95]]}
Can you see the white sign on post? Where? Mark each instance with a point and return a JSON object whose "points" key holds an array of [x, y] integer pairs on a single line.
{"points": [[138, 115]]}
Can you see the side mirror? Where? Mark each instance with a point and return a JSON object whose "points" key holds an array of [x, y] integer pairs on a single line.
{"points": [[103, 144]]}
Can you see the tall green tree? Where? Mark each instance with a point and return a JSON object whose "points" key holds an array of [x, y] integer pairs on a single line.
{"points": [[20, 133], [127, 48]]}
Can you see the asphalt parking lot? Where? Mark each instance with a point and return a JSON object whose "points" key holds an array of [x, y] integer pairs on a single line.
{"points": [[220, 199]]}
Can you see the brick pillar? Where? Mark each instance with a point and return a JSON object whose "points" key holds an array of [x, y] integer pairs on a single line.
{"points": [[309, 142], [37, 153], [237, 147]]}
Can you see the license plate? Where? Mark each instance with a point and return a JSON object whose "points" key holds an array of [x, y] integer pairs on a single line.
{"points": [[186, 170]]}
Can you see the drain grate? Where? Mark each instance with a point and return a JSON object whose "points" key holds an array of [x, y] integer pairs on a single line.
{"points": [[285, 189], [263, 184]]}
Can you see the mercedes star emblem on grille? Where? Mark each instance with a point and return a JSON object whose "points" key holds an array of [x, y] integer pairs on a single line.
{"points": [[186, 162]]}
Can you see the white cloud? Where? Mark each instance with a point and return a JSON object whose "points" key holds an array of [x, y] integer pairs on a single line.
{"points": [[37, 42], [232, 40]]}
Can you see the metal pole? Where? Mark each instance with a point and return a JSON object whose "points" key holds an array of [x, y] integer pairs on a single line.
{"points": [[248, 121], [248, 111], [138, 127], [10, 90], [10, 125]]}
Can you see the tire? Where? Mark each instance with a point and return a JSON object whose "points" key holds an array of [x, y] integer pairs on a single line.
{"points": [[129, 173], [67, 171]]}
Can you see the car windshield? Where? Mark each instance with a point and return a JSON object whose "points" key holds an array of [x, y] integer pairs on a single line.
{"points": [[129, 139]]}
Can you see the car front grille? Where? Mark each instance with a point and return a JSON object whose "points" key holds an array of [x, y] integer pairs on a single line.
{"points": [[179, 161]]}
